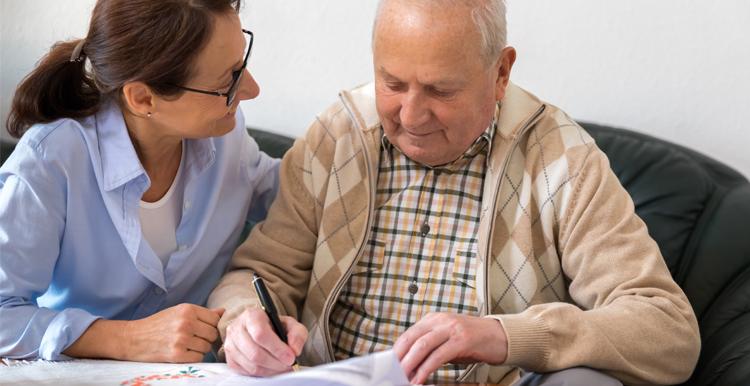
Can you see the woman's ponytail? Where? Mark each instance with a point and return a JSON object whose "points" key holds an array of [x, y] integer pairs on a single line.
{"points": [[58, 87]]}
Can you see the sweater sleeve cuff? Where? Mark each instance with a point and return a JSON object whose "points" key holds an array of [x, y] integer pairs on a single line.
{"points": [[528, 340]]}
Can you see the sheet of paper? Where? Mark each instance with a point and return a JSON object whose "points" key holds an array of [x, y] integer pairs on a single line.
{"points": [[380, 369]]}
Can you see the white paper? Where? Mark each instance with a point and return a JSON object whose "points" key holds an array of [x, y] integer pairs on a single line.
{"points": [[379, 369]]}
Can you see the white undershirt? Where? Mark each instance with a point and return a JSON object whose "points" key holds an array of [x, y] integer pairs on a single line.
{"points": [[159, 220]]}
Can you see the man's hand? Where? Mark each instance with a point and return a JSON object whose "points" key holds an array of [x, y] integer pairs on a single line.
{"points": [[439, 338], [253, 348]]}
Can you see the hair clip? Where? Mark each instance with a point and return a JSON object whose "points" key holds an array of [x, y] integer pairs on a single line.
{"points": [[78, 55]]}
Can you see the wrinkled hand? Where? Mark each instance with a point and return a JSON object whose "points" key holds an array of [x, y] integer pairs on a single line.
{"points": [[179, 334], [440, 338], [253, 348]]}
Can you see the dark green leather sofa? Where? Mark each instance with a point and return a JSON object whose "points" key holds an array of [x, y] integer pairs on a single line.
{"points": [[5, 149], [698, 211]]}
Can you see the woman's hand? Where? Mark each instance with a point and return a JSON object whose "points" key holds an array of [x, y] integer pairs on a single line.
{"points": [[179, 334], [182, 334]]}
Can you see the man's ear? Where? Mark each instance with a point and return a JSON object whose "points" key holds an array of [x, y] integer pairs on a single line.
{"points": [[139, 99], [504, 66]]}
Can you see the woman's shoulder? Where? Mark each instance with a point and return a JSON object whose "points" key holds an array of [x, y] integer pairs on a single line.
{"points": [[57, 138], [58, 145]]}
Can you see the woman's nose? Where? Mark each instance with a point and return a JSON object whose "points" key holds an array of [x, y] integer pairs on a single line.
{"points": [[249, 88]]}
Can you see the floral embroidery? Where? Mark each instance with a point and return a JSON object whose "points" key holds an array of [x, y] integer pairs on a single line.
{"points": [[191, 372]]}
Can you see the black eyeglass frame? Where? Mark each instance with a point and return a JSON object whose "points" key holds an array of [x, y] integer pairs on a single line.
{"points": [[236, 77]]}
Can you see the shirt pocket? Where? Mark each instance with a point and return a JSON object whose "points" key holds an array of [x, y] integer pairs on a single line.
{"points": [[464, 265], [372, 258]]}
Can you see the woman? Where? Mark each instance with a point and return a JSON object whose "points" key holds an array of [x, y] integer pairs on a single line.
{"points": [[127, 193]]}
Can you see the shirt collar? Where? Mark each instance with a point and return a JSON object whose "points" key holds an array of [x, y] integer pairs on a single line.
{"points": [[119, 160], [483, 143]]}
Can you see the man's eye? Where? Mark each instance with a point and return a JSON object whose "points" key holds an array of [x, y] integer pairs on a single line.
{"points": [[395, 86], [442, 93]]}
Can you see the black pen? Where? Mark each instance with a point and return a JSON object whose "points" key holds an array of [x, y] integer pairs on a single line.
{"points": [[267, 304]]}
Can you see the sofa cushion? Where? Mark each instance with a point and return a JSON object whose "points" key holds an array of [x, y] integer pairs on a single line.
{"points": [[697, 210]]}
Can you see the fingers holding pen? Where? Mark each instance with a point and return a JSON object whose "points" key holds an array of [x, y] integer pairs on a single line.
{"points": [[253, 348], [296, 334]]}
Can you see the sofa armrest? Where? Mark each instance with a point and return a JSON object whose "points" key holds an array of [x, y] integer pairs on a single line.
{"points": [[272, 144], [6, 147], [725, 355]]}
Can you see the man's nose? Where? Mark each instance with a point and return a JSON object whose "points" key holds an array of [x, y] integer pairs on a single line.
{"points": [[414, 111]]}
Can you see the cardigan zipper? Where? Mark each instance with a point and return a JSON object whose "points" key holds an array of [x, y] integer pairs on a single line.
{"points": [[370, 209], [485, 308]]}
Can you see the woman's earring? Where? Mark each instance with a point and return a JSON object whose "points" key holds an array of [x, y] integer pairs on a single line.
{"points": [[149, 114]]}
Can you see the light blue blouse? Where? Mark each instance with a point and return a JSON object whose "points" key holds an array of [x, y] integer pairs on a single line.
{"points": [[71, 247]]}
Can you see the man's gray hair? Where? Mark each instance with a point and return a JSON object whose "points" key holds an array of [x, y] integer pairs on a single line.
{"points": [[488, 17]]}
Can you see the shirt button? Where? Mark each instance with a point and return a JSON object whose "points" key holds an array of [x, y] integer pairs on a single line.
{"points": [[187, 205], [413, 288], [158, 291], [425, 229], [183, 247]]}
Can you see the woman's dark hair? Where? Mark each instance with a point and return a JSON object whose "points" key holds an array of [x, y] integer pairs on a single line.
{"points": [[152, 41]]}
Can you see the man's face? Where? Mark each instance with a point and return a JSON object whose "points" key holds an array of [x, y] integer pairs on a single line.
{"points": [[434, 92]]}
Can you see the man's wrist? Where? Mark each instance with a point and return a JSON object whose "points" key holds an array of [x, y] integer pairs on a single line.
{"points": [[500, 342]]}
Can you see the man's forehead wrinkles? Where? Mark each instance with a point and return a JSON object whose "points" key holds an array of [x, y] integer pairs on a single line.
{"points": [[439, 82]]}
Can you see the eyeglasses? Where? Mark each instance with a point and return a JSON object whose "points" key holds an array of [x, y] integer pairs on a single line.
{"points": [[236, 77]]}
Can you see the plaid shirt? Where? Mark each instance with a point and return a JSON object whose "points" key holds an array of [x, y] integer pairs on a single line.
{"points": [[420, 257]]}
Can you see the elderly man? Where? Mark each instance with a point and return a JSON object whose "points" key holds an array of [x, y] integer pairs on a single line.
{"points": [[451, 215]]}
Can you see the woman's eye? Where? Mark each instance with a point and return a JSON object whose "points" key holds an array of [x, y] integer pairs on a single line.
{"points": [[229, 81]]}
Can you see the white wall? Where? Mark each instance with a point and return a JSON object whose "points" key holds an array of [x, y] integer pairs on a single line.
{"points": [[675, 69], [28, 28]]}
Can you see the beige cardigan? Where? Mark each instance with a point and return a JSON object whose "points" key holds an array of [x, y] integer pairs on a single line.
{"points": [[564, 262]]}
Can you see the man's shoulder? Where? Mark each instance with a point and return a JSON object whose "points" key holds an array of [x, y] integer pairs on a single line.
{"points": [[555, 120], [520, 105], [557, 144], [332, 122], [353, 111]]}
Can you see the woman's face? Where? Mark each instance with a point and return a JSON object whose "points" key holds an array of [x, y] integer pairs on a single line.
{"points": [[196, 115]]}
